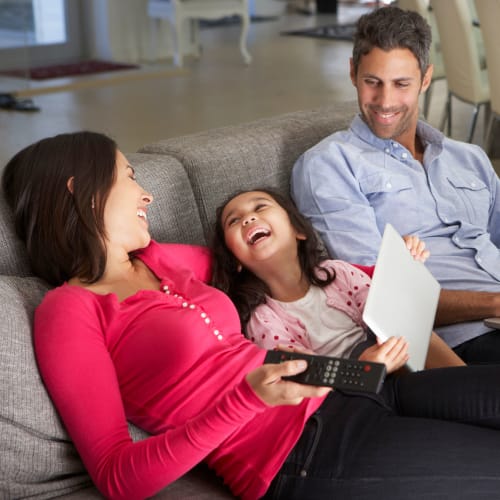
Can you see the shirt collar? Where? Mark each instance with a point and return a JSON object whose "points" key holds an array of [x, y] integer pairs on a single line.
{"points": [[427, 133]]}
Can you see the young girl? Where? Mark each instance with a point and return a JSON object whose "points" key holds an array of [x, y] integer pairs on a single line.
{"points": [[268, 260]]}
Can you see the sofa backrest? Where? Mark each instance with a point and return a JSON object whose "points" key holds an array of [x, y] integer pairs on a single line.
{"points": [[13, 259], [222, 161], [173, 216]]}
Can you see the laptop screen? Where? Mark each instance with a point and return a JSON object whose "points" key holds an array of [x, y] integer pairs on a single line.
{"points": [[403, 298]]}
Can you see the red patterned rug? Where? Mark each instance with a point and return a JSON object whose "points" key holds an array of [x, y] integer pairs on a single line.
{"points": [[64, 70]]}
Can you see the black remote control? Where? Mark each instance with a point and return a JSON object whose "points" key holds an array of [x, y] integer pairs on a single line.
{"points": [[340, 373]]}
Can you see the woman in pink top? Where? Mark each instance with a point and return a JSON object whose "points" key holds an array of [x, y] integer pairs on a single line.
{"points": [[132, 331]]}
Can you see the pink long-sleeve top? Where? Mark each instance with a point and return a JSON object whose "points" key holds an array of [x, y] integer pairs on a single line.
{"points": [[173, 362]]}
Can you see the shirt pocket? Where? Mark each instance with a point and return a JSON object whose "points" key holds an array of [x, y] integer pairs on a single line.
{"points": [[471, 199], [394, 199]]}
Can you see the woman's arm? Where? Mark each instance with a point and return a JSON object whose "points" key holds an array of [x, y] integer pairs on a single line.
{"points": [[79, 373]]}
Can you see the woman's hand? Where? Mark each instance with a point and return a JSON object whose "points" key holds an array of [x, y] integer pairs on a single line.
{"points": [[393, 353], [416, 247], [267, 383]]}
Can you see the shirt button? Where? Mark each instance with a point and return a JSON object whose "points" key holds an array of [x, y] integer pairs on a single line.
{"points": [[404, 155], [388, 185], [216, 332], [203, 315], [165, 288], [479, 260], [207, 321], [184, 304], [456, 239], [387, 150], [191, 306], [473, 184]]}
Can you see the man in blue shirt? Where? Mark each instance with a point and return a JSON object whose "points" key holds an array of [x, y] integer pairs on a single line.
{"points": [[392, 167]]}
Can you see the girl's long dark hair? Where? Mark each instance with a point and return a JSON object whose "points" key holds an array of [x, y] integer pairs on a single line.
{"points": [[243, 287]]}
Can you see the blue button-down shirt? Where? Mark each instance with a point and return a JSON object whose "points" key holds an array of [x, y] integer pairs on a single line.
{"points": [[352, 183]]}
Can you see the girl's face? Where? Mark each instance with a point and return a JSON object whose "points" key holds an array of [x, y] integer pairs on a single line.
{"points": [[256, 229], [125, 212]]}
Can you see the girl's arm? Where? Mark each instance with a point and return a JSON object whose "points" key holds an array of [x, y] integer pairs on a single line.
{"points": [[269, 331]]}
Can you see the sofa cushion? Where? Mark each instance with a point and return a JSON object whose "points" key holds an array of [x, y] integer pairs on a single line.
{"points": [[173, 216], [260, 153], [37, 458]]}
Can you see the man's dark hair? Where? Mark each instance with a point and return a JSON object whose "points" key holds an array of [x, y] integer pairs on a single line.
{"points": [[243, 287], [393, 28], [62, 223]]}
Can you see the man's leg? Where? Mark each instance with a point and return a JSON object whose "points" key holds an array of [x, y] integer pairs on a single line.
{"points": [[484, 349]]}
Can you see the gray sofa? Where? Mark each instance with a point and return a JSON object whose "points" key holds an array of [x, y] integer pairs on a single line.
{"points": [[189, 177]]}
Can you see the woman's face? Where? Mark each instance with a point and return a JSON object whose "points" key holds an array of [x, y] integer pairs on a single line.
{"points": [[125, 212], [257, 228]]}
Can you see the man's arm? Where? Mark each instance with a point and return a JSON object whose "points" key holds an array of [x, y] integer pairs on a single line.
{"points": [[328, 194], [458, 306]]}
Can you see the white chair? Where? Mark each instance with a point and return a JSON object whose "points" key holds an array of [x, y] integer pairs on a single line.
{"points": [[184, 17], [435, 56], [488, 12], [467, 79]]}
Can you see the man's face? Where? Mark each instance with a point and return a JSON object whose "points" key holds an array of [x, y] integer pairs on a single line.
{"points": [[388, 85]]}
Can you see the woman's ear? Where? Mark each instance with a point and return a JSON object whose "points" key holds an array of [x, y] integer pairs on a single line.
{"points": [[69, 184], [301, 236], [239, 268]]}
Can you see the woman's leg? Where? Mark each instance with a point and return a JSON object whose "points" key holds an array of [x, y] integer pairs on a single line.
{"points": [[468, 394], [358, 447]]}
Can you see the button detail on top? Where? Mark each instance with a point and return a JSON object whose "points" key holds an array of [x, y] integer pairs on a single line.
{"points": [[185, 304]]}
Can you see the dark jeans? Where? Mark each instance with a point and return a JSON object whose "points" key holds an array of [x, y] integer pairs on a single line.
{"points": [[481, 350], [429, 435]]}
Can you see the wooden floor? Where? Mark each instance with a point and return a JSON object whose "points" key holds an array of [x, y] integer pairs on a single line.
{"points": [[288, 73]]}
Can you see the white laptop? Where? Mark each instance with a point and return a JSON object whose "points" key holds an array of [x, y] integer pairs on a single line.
{"points": [[402, 299]]}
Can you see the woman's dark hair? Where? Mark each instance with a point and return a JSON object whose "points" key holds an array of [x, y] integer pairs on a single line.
{"points": [[243, 287], [393, 28], [61, 222]]}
